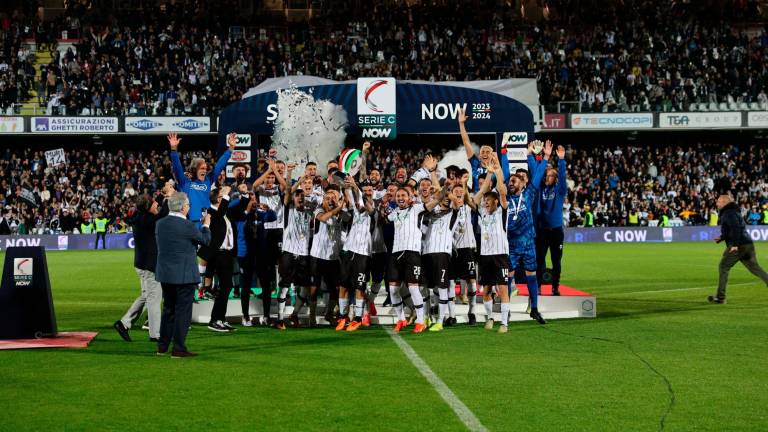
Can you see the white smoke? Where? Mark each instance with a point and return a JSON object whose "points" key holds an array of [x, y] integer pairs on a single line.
{"points": [[307, 130], [458, 157]]}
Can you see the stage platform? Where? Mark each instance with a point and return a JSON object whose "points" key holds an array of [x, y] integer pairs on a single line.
{"points": [[571, 303]]}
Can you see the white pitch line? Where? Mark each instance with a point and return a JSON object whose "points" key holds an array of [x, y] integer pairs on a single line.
{"points": [[465, 415], [673, 290]]}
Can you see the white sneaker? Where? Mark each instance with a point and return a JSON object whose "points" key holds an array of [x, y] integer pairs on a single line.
{"points": [[502, 329], [247, 322], [489, 324]]}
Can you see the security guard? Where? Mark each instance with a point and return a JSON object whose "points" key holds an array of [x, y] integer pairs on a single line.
{"points": [[101, 230]]}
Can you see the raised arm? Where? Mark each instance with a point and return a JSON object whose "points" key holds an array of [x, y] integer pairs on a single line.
{"points": [[221, 164], [364, 165], [262, 178], [283, 182], [178, 170], [478, 198], [501, 187], [562, 186], [464, 135]]}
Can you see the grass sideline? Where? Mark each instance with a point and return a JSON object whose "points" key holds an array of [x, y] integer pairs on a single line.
{"points": [[588, 374]]}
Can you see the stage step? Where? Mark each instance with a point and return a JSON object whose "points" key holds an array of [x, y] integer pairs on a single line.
{"points": [[577, 305]]}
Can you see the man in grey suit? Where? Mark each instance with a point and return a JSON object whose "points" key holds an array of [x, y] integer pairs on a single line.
{"points": [[176, 270]]}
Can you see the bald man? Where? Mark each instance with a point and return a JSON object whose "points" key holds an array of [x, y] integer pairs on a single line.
{"points": [[739, 246]]}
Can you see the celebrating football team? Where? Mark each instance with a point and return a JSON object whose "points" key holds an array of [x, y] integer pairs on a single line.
{"points": [[344, 236]]}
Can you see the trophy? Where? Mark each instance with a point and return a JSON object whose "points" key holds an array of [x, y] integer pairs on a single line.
{"points": [[350, 161]]}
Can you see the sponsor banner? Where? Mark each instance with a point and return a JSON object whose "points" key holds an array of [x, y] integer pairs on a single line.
{"points": [[700, 120], [67, 241], [572, 235], [554, 121], [74, 125], [757, 119], [11, 124], [243, 141], [377, 107], [167, 124], [654, 234], [442, 111], [55, 158], [612, 121], [239, 156]]}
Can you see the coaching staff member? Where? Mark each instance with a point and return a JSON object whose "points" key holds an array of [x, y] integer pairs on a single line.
{"points": [[739, 246], [176, 270], [147, 213]]}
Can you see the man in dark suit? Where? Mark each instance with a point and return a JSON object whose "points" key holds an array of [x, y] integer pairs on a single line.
{"points": [[143, 220], [176, 270]]}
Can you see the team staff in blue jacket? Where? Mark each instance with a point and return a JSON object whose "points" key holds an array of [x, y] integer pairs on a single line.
{"points": [[549, 219], [198, 187]]}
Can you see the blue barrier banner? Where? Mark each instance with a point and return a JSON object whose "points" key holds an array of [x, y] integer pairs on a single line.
{"points": [[654, 234], [572, 235], [67, 241]]}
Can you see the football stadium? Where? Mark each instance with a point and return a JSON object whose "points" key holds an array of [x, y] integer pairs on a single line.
{"points": [[484, 215]]}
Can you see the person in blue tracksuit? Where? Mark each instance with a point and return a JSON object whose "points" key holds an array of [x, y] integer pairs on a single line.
{"points": [[198, 187], [549, 220], [521, 235]]}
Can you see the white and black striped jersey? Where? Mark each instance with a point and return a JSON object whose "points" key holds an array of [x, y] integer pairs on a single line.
{"points": [[359, 238], [298, 230], [493, 232], [463, 230], [407, 223], [326, 241], [274, 200], [439, 236]]}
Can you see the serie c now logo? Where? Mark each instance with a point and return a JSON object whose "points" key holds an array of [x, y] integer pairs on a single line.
{"points": [[372, 87]]}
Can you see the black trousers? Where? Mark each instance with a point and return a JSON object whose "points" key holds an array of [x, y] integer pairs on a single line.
{"points": [[103, 237], [746, 254], [177, 315], [549, 240], [246, 282], [222, 264]]}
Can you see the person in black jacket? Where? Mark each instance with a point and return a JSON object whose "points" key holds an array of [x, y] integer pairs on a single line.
{"points": [[147, 212], [221, 252], [739, 246]]}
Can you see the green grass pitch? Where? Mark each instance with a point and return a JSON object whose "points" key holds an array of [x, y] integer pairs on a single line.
{"points": [[656, 351]]}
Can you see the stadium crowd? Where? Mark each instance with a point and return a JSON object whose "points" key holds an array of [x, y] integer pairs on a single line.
{"points": [[622, 56], [614, 185]]}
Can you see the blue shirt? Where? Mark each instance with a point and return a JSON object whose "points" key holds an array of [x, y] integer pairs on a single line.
{"points": [[551, 200], [520, 227], [257, 219], [477, 170], [536, 170], [197, 190]]}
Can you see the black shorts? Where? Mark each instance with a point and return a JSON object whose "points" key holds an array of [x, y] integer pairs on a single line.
{"points": [[274, 243], [324, 271], [464, 264], [293, 269], [354, 269], [436, 269], [404, 267], [377, 266], [493, 269]]}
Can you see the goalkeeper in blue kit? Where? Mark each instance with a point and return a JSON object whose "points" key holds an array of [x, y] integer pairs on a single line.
{"points": [[522, 235]]}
